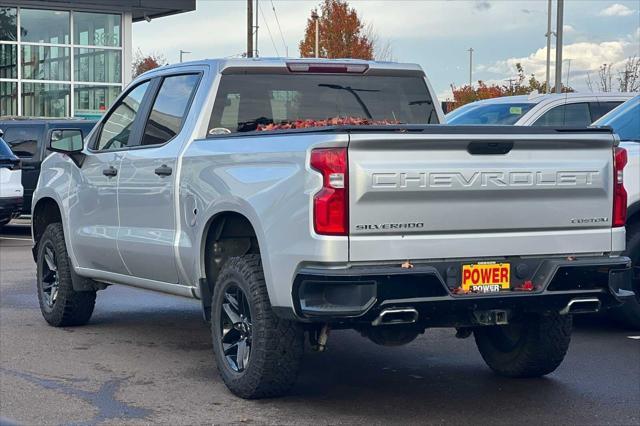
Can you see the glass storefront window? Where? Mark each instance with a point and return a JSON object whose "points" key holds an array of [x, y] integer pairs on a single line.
{"points": [[37, 74], [93, 101], [45, 99], [8, 61], [8, 98], [46, 63], [44, 26], [97, 65], [96, 29], [8, 24]]}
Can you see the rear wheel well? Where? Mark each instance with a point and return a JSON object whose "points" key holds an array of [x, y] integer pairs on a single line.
{"points": [[45, 212], [228, 235]]}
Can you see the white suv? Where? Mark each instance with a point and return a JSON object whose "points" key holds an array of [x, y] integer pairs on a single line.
{"points": [[555, 110], [10, 184]]}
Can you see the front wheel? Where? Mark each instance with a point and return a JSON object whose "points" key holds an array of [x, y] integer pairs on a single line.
{"points": [[60, 304], [533, 347], [258, 354]]}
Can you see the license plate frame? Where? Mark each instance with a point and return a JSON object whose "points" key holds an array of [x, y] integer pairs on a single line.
{"points": [[486, 277]]}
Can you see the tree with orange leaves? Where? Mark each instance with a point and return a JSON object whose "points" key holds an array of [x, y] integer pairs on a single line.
{"points": [[342, 33], [142, 63]]}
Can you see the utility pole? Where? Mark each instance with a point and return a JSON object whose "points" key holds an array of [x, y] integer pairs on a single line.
{"points": [[559, 31], [249, 28], [181, 53], [549, 34], [315, 17], [470, 50], [568, 72], [257, 14]]}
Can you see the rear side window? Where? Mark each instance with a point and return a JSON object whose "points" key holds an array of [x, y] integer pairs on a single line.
{"points": [[170, 108], [23, 140], [574, 115], [244, 102], [117, 128]]}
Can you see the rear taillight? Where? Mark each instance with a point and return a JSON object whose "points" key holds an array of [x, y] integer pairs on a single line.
{"points": [[331, 203], [619, 193]]}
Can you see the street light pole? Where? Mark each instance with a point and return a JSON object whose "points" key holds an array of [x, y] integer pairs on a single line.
{"points": [[315, 17], [249, 28], [559, 31], [470, 50], [549, 33], [256, 42], [181, 53]]}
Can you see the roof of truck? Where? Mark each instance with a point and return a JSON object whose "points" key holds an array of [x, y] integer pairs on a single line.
{"points": [[223, 63]]}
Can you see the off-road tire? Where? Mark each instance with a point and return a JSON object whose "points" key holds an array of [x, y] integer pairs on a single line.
{"points": [[629, 314], [71, 308], [277, 344], [541, 344]]}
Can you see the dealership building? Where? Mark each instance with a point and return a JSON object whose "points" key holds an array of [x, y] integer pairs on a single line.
{"points": [[70, 58]]}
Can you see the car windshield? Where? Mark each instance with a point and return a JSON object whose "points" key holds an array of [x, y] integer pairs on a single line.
{"points": [[489, 113], [624, 120], [267, 101]]}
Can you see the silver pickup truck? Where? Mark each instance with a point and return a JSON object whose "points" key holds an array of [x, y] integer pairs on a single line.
{"points": [[297, 196]]}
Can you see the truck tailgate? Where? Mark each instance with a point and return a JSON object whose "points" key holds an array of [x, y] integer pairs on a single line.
{"points": [[471, 194]]}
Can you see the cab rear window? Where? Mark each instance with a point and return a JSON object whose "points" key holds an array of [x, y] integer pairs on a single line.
{"points": [[249, 102]]}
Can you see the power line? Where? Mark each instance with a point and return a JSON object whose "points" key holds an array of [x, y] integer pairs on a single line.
{"points": [[268, 30], [286, 48]]}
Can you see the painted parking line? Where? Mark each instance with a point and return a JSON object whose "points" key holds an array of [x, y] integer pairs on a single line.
{"points": [[633, 337], [13, 238]]}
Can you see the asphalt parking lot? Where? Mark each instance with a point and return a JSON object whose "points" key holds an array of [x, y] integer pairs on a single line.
{"points": [[145, 358]]}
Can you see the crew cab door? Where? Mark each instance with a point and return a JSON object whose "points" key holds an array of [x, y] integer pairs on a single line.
{"points": [[93, 204], [146, 187]]}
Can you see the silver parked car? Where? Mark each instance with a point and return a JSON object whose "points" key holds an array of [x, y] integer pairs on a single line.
{"points": [[554, 110]]}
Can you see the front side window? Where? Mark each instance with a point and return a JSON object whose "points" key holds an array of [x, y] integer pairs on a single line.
{"points": [[169, 109], [574, 115], [117, 128], [23, 140], [247, 102]]}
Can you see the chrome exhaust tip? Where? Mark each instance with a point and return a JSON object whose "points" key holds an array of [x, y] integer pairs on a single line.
{"points": [[582, 306], [396, 316]]}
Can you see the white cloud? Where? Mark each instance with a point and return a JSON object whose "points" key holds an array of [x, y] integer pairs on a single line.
{"points": [[586, 58], [568, 29], [616, 9]]}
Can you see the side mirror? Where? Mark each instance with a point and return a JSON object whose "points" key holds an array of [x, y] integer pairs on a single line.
{"points": [[66, 141]]}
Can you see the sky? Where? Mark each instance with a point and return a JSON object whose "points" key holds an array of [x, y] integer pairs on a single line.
{"points": [[435, 34]]}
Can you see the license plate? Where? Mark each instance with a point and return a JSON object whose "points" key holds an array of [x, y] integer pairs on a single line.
{"points": [[486, 277]]}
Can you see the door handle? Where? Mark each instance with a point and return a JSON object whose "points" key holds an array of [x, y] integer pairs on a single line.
{"points": [[110, 172], [489, 148], [164, 170]]}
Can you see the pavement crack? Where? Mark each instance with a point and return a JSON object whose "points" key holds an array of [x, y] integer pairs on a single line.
{"points": [[103, 399]]}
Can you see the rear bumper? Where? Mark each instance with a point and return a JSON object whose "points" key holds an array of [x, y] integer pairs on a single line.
{"points": [[10, 207], [358, 294]]}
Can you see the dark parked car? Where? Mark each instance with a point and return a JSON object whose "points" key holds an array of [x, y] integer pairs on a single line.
{"points": [[28, 139]]}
